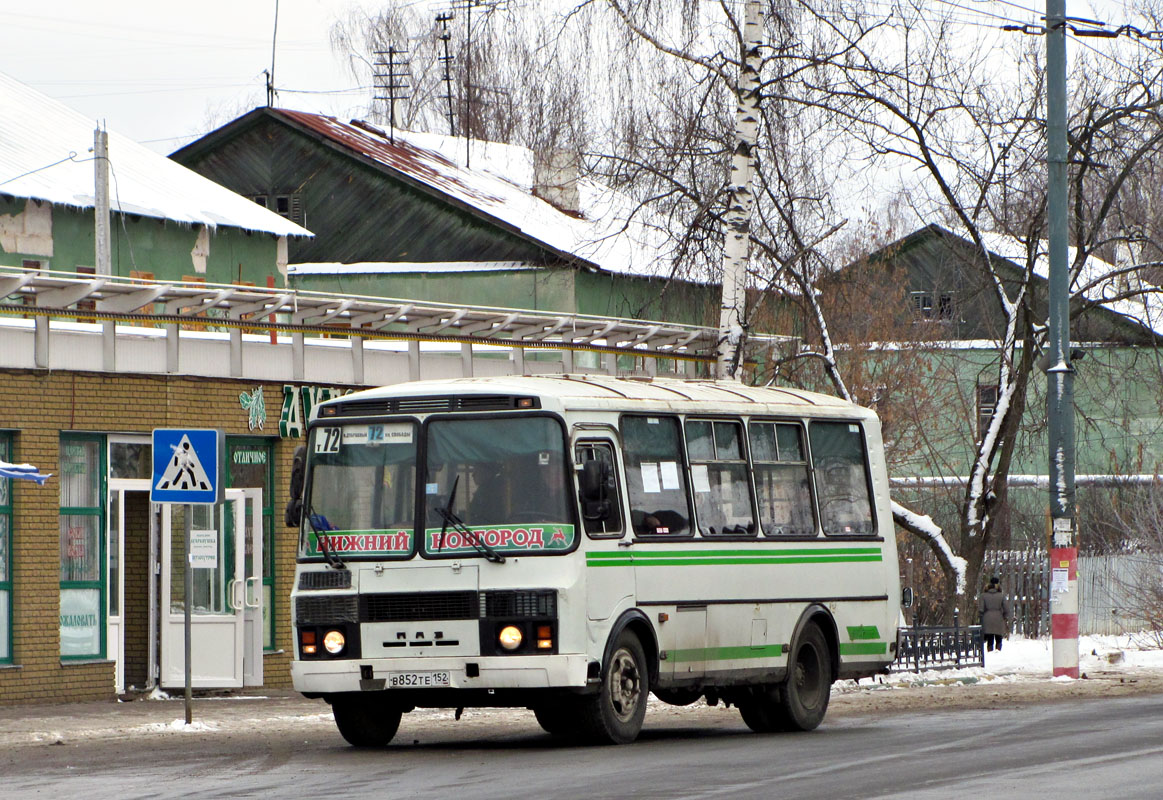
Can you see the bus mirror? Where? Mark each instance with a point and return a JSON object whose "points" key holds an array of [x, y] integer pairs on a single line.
{"points": [[907, 597], [294, 512], [596, 478]]}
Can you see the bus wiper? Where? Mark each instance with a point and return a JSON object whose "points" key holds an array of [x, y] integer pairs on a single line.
{"points": [[318, 522], [473, 537], [445, 512]]}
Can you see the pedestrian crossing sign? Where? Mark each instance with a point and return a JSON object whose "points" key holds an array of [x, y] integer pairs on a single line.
{"points": [[186, 466]]}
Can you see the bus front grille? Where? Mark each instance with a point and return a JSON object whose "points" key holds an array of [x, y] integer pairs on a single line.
{"points": [[409, 606], [331, 579], [326, 610]]}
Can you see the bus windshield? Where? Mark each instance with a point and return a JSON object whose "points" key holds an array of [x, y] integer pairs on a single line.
{"points": [[362, 490], [505, 479]]}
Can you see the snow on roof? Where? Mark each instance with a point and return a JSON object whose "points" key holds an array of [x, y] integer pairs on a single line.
{"points": [[497, 181], [1098, 280], [404, 267], [45, 154]]}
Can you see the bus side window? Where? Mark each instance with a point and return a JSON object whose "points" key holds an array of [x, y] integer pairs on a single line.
{"points": [[719, 477], [655, 477], [781, 479], [611, 525], [841, 478]]}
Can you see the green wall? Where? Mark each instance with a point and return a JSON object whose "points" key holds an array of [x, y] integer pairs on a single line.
{"points": [[148, 244]]}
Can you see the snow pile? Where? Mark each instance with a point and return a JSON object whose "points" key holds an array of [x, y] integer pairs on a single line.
{"points": [[178, 726], [1022, 659]]}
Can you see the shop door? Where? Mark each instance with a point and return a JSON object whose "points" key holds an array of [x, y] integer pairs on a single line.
{"points": [[226, 608]]}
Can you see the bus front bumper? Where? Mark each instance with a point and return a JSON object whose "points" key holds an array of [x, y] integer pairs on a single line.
{"points": [[473, 673]]}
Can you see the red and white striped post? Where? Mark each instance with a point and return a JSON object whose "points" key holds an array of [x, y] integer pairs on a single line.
{"points": [[1064, 608]]}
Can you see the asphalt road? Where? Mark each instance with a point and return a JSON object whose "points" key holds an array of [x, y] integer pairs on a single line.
{"points": [[1087, 749]]}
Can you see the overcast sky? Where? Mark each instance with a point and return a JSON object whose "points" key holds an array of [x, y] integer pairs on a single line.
{"points": [[164, 72]]}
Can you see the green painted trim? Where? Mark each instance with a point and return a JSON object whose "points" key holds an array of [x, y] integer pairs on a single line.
{"points": [[725, 653], [863, 632], [802, 551], [676, 558], [863, 648]]}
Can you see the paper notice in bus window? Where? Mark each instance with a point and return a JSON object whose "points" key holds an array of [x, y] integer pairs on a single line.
{"points": [[650, 477], [669, 474], [701, 477]]}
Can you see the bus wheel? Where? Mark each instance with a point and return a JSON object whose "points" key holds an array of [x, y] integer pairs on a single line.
{"points": [[559, 718], [763, 710], [809, 681], [364, 721], [614, 715]]}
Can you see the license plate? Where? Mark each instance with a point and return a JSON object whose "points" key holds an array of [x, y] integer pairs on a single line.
{"points": [[417, 680]]}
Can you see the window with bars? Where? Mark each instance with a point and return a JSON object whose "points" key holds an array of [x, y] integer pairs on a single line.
{"points": [[987, 394]]}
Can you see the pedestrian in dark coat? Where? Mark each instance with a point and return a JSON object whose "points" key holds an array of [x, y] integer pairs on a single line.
{"points": [[994, 608]]}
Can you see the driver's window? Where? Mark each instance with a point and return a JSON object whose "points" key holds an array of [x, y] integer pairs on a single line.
{"points": [[612, 524], [841, 474]]}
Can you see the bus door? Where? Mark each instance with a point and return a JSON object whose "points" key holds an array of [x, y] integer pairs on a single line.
{"points": [[609, 574], [226, 615]]}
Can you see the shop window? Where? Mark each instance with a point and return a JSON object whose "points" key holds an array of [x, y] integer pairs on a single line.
{"points": [[5, 553], [655, 478], [719, 477], [250, 464], [781, 479], [82, 550], [841, 478]]}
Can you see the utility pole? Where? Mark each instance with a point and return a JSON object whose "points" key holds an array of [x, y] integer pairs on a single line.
{"points": [[393, 84], [103, 256], [733, 306], [443, 19], [1060, 372]]}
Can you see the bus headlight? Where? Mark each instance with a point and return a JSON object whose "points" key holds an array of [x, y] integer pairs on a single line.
{"points": [[334, 642], [510, 637]]}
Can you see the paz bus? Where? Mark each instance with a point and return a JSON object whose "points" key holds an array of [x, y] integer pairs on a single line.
{"points": [[571, 544]]}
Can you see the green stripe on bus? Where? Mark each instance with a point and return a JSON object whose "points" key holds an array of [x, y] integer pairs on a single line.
{"points": [[863, 648], [863, 632], [725, 653], [627, 561], [805, 551]]}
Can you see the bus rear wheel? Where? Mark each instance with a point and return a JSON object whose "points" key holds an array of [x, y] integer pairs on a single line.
{"points": [[800, 703], [614, 715], [366, 721]]}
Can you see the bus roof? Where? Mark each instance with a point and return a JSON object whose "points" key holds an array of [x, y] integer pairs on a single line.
{"points": [[605, 392]]}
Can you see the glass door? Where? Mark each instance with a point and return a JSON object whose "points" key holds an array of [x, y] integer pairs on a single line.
{"points": [[219, 603]]}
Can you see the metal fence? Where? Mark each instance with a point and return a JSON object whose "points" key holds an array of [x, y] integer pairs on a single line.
{"points": [[928, 647]]}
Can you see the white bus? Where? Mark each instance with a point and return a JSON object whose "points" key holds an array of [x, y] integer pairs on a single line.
{"points": [[571, 544]]}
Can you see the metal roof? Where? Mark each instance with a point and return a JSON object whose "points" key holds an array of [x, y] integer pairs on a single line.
{"points": [[44, 155]]}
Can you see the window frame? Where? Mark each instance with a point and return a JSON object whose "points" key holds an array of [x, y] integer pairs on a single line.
{"points": [[684, 474], [99, 511], [745, 461], [868, 487], [616, 500], [806, 463], [7, 440]]}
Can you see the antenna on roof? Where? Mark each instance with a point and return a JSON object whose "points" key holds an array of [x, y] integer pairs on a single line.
{"points": [[392, 84], [271, 72], [468, 6]]}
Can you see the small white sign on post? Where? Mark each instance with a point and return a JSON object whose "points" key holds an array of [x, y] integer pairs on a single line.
{"points": [[204, 549]]}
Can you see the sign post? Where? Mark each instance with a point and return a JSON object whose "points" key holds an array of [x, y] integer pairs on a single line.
{"points": [[187, 470]]}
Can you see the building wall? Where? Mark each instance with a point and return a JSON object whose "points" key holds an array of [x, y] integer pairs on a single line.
{"points": [[543, 289], [63, 239], [40, 406]]}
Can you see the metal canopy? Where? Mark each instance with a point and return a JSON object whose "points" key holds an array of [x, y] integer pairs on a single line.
{"points": [[46, 294]]}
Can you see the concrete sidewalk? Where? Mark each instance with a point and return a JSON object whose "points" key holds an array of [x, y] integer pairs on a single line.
{"points": [[71, 722]]}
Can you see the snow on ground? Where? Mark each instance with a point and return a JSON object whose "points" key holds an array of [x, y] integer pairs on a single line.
{"points": [[1028, 660]]}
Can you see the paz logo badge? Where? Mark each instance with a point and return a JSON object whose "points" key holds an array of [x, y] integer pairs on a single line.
{"points": [[254, 404]]}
